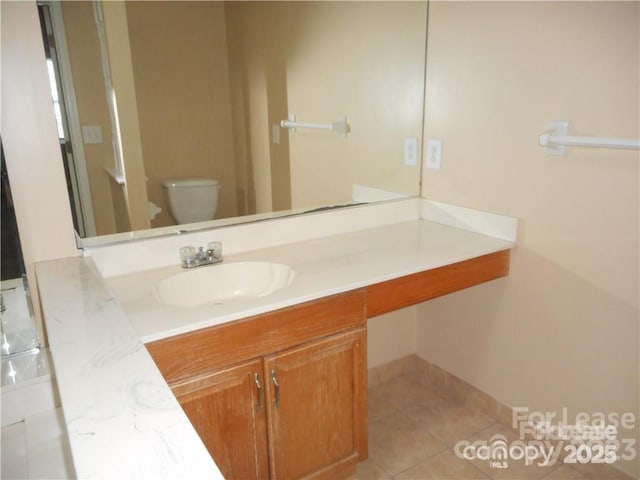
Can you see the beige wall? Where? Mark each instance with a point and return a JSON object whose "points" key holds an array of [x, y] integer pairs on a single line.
{"points": [[116, 207], [125, 104], [360, 59], [182, 84], [562, 329], [86, 68], [249, 53], [320, 60], [391, 336]]}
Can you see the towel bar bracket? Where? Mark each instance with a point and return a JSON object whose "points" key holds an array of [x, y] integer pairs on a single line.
{"points": [[555, 128]]}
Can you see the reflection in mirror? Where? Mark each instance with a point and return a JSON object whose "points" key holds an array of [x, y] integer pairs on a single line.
{"points": [[18, 332], [154, 92]]}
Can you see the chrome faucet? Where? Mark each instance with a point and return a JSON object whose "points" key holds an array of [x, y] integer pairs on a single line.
{"points": [[191, 258]]}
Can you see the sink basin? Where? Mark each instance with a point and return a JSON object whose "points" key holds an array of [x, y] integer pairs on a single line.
{"points": [[223, 282]]}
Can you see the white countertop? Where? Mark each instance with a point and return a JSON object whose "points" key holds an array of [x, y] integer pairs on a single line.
{"points": [[122, 419], [323, 267]]}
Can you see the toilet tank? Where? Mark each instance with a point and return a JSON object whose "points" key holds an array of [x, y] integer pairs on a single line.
{"points": [[192, 199]]}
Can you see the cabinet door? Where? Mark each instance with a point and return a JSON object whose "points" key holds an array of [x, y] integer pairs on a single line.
{"points": [[317, 413], [227, 409]]}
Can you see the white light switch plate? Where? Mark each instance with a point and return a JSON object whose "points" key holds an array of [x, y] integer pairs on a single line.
{"points": [[91, 134]]}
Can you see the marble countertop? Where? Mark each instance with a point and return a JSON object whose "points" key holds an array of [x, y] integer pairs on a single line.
{"points": [[122, 419]]}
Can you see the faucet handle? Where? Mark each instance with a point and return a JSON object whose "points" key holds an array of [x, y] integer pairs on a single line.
{"points": [[215, 249], [187, 255]]}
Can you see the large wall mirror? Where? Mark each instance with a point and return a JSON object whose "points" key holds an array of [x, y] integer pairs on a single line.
{"points": [[147, 92]]}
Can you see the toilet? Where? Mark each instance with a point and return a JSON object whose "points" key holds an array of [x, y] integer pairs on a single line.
{"points": [[192, 199]]}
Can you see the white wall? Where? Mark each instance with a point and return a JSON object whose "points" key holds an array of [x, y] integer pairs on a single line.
{"points": [[562, 329]]}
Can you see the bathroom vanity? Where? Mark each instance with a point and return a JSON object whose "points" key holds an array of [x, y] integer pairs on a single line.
{"points": [[275, 386], [283, 394], [277, 395]]}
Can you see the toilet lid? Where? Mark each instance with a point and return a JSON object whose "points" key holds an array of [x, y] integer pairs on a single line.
{"points": [[190, 182]]}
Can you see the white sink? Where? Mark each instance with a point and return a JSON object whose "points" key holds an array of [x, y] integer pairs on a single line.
{"points": [[223, 282]]}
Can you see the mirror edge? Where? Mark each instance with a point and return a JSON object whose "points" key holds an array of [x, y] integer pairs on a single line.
{"points": [[125, 237]]}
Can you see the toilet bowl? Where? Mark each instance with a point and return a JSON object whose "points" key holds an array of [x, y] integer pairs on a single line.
{"points": [[192, 199]]}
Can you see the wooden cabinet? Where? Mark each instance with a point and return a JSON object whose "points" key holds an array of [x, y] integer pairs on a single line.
{"points": [[227, 410], [283, 402], [314, 407]]}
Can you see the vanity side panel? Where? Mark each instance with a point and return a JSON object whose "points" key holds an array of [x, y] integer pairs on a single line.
{"points": [[198, 352], [404, 291]]}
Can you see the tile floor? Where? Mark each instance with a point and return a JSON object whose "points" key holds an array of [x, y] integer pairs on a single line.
{"points": [[414, 426]]}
